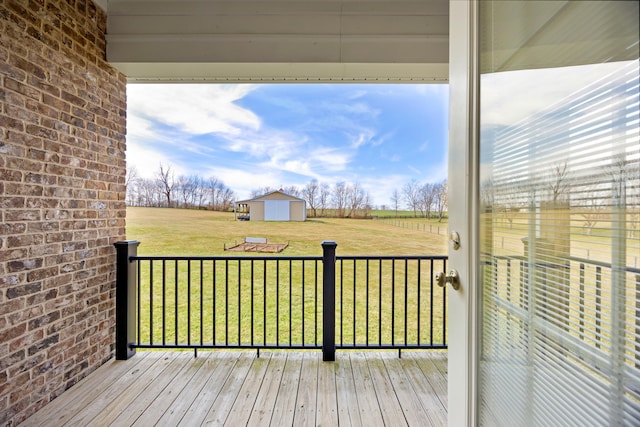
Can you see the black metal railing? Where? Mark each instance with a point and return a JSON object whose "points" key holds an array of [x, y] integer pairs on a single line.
{"points": [[328, 302], [390, 302]]}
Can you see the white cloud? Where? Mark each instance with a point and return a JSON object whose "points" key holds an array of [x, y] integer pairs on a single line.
{"points": [[244, 180], [381, 187], [534, 90], [272, 143], [363, 137], [330, 159], [139, 128], [147, 161], [192, 108]]}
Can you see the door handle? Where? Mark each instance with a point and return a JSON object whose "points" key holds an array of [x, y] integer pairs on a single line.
{"points": [[452, 277]]}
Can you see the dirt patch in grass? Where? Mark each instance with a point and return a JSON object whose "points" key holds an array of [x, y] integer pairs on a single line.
{"points": [[257, 247]]}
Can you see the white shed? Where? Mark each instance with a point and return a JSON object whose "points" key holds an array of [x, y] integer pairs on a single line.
{"points": [[274, 206]]}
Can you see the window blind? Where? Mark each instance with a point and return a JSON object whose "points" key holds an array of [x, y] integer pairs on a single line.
{"points": [[560, 245]]}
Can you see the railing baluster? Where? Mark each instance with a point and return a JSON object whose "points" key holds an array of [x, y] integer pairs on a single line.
{"points": [[290, 302], [213, 302], [239, 302], [252, 302], [380, 301], [366, 310], [164, 302], [278, 302], [341, 300], [431, 301], [139, 300], [354, 303], [581, 300], [393, 302], [264, 301], [509, 280], [598, 305], [316, 301], [524, 297], [201, 302], [637, 322], [150, 302], [303, 303], [175, 273], [419, 302], [406, 297], [226, 303], [189, 318]]}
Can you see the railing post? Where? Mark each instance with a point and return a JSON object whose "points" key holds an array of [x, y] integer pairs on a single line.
{"points": [[329, 300], [126, 289]]}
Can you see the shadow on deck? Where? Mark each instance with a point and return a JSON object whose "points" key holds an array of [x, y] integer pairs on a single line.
{"points": [[279, 388]]}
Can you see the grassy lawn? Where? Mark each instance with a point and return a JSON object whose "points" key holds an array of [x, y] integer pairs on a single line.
{"points": [[192, 232], [275, 301]]}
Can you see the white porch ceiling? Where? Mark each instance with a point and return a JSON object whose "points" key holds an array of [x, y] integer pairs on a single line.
{"points": [[294, 40], [350, 40]]}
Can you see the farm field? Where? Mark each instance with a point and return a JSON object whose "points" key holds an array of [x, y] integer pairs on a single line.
{"points": [[279, 306], [192, 232]]}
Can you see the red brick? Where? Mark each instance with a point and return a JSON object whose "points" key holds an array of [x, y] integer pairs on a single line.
{"points": [[62, 129]]}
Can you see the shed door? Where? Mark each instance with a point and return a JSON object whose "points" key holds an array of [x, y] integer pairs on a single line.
{"points": [[276, 210]]}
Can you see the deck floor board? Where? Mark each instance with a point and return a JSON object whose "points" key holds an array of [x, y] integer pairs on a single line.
{"points": [[234, 388]]}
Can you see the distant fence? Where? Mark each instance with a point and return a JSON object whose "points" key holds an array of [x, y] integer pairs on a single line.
{"points": [[441, 229]]}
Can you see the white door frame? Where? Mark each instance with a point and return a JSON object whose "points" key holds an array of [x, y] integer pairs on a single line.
{"points": [[463, 211]]}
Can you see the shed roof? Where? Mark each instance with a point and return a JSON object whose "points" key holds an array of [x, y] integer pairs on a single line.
{"points": [[269, 196]]}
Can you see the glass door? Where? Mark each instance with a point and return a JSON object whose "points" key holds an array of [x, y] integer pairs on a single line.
{"points": [[557, 199]]}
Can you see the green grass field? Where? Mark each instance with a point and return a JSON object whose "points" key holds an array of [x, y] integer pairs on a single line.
{"points": [[236, 301], [193, 232]]}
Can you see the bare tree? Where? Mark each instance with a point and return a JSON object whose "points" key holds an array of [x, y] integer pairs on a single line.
{"points": [[226, 197], [149, 193], [187, 189], [214, 186], [339, 198], [356, 198], [557, 182], [131, 184], [325, 195], [441, 198], [311, 193], [262, 191], [292, 190], [591, 208], [395, 200], [167, 182], [427, 198], [410, 192]]}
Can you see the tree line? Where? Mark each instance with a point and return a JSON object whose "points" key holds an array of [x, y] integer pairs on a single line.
{"points": [[166, 189], [425, 200], [342, 199]]}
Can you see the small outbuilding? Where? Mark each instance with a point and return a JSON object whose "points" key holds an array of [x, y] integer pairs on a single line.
{"points": [[274, 206]]}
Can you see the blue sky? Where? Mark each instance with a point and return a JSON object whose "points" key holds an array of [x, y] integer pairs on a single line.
{"points": [[252, 136]]}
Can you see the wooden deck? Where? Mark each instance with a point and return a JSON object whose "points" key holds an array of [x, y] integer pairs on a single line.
{"points": [[279, 388]]}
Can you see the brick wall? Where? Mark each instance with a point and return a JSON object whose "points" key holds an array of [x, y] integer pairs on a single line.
{"points": [[62, 172]]}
